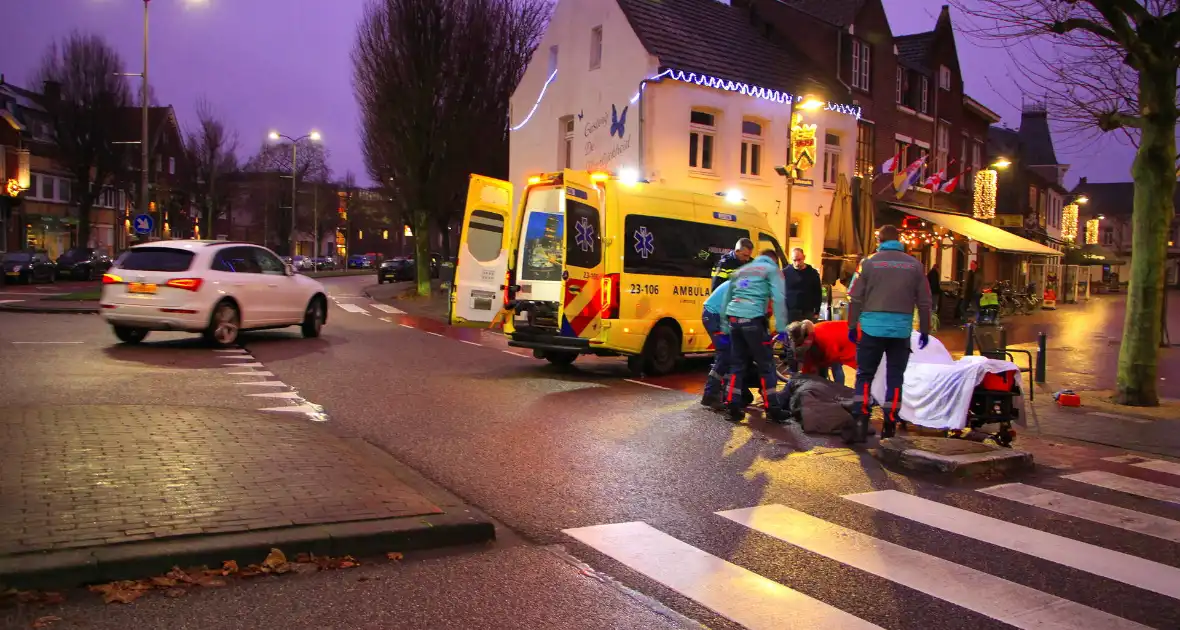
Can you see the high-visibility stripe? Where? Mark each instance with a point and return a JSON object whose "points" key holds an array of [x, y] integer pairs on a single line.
{"points": [[986, 594], [1125, 568], [1129, 485], [1112, 515], [731, 591]]}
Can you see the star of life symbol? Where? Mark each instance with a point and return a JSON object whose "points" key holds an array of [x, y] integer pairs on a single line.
{"points": [[585, 236], [644, 242]]}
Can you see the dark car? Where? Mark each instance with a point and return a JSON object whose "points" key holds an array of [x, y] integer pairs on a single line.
{"points": [[82, 263], [28, 267], [396, 270], [361, 261]]}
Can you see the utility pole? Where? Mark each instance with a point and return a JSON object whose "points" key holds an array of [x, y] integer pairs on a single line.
{"points": [[144, 201]]}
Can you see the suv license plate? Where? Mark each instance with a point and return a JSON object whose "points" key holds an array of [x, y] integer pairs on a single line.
{"points": [[139, 287]]}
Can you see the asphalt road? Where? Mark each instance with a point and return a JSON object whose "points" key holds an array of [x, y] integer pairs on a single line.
{"points": [[629, 476]]}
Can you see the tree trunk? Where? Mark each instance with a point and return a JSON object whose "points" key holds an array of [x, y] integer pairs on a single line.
{"points": [[1154, 172], [421, 222], [84, 204]]}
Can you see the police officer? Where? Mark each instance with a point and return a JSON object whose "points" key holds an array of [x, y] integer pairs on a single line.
{"points": [[887, 288], [731, 262], [746, 297]]}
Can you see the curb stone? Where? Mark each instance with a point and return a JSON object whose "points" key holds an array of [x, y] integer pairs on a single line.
{"points": [[35, 307], [958, 458]]}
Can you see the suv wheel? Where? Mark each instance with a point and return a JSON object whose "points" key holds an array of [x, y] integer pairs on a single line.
{"points": [[313, 318], [224, 325], [129, 335]]}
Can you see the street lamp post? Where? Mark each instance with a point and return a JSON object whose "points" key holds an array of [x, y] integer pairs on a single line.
{"points": [[791, 171], [144, 203], [314, 137]]}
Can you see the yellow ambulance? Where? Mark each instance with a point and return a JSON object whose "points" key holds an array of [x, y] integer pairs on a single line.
{"points": [[595, 263]]}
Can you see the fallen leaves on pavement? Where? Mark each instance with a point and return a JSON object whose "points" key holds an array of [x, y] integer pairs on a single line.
{"points": [[46, 598], [46, 621], [394, 556], [123, 591]]}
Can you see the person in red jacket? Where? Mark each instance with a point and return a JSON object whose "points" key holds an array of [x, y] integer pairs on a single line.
{"points": [[822, 347]]}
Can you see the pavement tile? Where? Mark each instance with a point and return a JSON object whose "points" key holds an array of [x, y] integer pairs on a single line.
{"points": [[77, 476]]}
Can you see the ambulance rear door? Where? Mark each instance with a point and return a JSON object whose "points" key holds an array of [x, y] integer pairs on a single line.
{"points": [[581, 304], [482, 264]]}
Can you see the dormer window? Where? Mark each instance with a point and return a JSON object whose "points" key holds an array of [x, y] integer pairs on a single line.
{"points": [[861, 64], [944, 78]]}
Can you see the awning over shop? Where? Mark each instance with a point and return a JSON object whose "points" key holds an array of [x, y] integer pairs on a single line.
{"points": [[989, 235]]}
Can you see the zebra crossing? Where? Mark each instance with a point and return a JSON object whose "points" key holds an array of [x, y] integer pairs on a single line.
{"points": [[363, 309], [1132, 579]]}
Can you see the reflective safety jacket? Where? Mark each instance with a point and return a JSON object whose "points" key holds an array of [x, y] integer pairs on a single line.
{"points": [[728, 264]]}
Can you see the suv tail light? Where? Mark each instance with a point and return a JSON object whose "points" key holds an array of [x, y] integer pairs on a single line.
{"points": [[610, 294], [188, 284], [110, 278]]}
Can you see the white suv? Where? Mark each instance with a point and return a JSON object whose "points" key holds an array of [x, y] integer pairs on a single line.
{"points": [[216, 288]]}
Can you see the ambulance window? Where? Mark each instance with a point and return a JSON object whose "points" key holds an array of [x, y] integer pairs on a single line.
{"points": [[766, 241], [485, 235], [583, 238], [542, 247], [671, 247]]}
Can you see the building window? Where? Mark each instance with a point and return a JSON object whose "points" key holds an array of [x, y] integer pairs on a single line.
{"points": [[751, 148], [944, 77], [596, 47], [566, 156], [832, 155], [47, 186], [861, 57], [900, 89], [1107, 236], [864, 149], [701, 137], [171, 166], [63, 190], [924, 102], [902, 148], [943, 150], [552, 60], [976, 161]]}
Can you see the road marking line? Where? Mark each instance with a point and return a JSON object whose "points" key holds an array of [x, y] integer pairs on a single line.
{"points": [[516, 354], [277, 395], [1115, 416], [732, 591], [307, 408], [28, 343], [405, 326], [353, 308], [259, 373], [10, 301], [241, 365], [386, 320], [1129, 485], [1125, 568], [264, 383], [231, 350], [1112, 515], [470, 343], [631, 380], [986, 594], [236, 357], [388, 309], [1158, 465], [1125, 459]]}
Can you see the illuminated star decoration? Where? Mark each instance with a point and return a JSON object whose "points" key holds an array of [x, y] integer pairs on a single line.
{"points": [[585, 237], [645, 243]]}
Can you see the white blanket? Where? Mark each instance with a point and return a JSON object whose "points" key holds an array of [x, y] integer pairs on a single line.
{"points": [[937, 390]]}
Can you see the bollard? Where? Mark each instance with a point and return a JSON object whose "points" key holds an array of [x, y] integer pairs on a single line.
{"points": [[1003, 339], [970, 340], [1042, 359]]}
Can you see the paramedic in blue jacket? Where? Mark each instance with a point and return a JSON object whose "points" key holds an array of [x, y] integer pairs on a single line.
{"points": [[750, 290], [711, 318], [886, 289]]}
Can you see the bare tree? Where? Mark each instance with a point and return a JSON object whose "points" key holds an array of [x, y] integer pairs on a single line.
{"points": [[311, 164], [1110, 65], [433, 79], [211, 154], [87, 116]]}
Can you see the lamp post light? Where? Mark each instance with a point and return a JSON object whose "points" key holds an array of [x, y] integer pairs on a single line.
{"points": [[314, 136]]}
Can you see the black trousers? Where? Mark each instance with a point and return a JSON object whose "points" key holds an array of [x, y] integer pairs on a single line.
{"points": [[868, 357]]}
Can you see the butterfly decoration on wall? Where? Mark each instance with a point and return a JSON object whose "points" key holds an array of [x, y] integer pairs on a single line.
{"points": [[580, 114], [618, 123]]}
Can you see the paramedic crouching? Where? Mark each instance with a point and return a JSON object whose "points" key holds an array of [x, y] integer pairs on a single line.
{"points": [[711, 319], [746, 297], [884, 292]]}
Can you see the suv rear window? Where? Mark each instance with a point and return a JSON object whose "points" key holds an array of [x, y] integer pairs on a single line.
{"points": [[155, 259]]}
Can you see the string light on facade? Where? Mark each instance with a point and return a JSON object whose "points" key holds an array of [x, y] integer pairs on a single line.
{"points": [[985, 194], [1092, 232], [1069, 222]]}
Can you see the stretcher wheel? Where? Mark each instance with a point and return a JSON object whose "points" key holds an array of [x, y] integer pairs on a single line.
{"points": [[1005, 436]]}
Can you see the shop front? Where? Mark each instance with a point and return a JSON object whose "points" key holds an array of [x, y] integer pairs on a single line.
{"points": [[48, 233]]}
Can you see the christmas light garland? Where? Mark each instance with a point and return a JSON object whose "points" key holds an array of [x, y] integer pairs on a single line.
{"points": [[985, 194], [1092, 232], [1069, 222]]}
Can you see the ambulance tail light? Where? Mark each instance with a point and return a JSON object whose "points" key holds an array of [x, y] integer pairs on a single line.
{"points": [[610, 295]]}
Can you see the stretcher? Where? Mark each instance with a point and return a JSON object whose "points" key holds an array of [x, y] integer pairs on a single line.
{"points": [[957, 396]]}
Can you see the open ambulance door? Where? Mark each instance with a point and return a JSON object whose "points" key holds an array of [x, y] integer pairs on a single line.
{"points": [[478, 294], [582, 298]]}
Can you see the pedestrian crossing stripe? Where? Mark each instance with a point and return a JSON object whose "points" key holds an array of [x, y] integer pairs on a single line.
{"points": [[1114, 565], [1128, 485], [353, 308], [984, 593], [1158, 465], [1112, 515]]}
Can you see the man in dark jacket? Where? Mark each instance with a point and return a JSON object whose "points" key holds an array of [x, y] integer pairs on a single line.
{"points": [[803, 288], [742, 252], [887, 288]]}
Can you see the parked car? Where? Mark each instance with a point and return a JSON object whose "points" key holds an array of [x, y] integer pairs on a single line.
{"points": [[323, 262], [28, 267], [396, 270], [302, 263], [215, 288], [361, 261], [82, 263]]}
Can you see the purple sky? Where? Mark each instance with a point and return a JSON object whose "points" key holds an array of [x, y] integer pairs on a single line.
{"points": [[266, 64]]}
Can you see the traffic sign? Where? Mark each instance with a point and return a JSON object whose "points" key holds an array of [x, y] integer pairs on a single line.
{"points": [[143, 224]]}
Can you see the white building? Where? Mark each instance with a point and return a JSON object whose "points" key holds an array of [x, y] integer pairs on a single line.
{"points": [[692, 94]]}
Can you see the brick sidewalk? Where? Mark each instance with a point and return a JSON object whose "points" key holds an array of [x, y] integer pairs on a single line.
{"points": [[1121, 428], [94, 475]]}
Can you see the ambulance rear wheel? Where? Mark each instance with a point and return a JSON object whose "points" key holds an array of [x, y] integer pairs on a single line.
{"points": [[661, 354], [561, 358]]}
